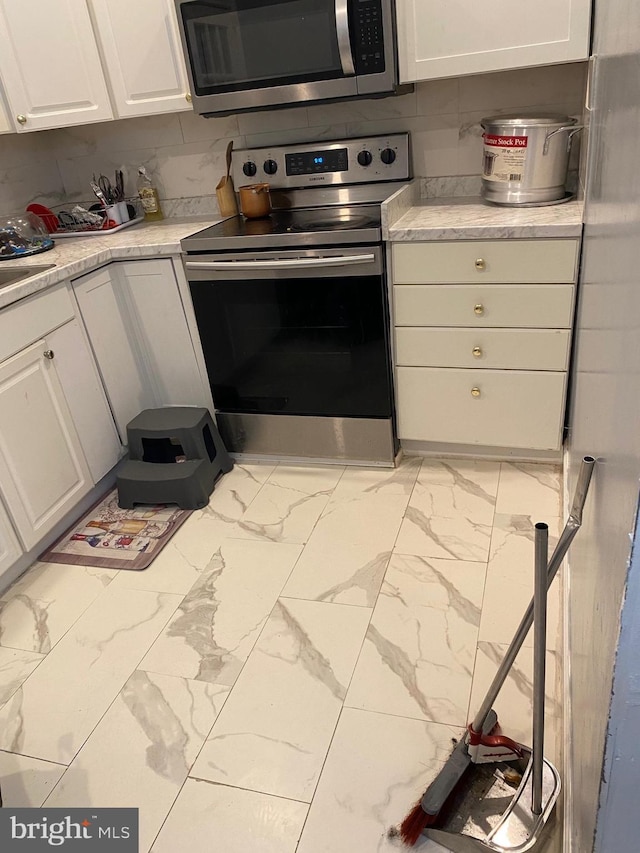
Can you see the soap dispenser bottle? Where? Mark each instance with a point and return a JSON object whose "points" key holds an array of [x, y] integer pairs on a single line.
{"points": [[149, 196]]}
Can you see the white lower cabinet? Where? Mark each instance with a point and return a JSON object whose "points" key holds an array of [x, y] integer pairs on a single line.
{"points": [[10, 548], [481, 350], [86, 399], [73, 373], [138, 331], [43, 471], [105, 315], [5, 122], [505, 349], [500, 408]]}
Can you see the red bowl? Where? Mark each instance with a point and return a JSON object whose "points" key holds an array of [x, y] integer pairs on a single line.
{"points": [[49, 218]]}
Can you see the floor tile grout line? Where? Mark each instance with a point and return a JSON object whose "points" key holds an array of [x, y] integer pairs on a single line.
{"points": [[268, 617], [115, 698], [22, 683], [79, 616], [58, 641], [169, 810], [470, 712], [281, 596], [324, 762], [250, 790], [263, 628], [244, 663], [346, 693], [42, 655], [35, 758]]}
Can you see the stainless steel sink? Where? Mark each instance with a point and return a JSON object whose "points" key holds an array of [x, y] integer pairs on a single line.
{"points": [[11, 275]]}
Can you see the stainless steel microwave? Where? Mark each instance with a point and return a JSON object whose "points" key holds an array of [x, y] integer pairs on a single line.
{"points": [[248, 55]]}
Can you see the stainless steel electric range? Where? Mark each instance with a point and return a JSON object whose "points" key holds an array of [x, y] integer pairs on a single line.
{"points": [[292, 309]]}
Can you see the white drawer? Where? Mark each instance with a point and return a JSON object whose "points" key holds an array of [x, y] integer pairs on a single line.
{"points": [[507, 349], [485, 261], [514, 409], [30, 319], [543, 306]]}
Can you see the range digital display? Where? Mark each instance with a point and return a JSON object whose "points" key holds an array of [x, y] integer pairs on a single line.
{"points": [[317, 162]]}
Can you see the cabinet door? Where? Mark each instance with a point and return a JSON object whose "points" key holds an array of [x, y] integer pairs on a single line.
{"points": [[5, 121], [85, 397], [106, 318], [138, 331], [157, 314], [43, 472], [437, 38], [143, 56], [50, 65], [10, 548], [493, 408]]}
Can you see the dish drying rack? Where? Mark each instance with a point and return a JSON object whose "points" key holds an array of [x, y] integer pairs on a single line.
{"points": [[76, 225]]}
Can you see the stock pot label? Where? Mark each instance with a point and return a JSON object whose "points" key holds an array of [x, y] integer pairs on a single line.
{"points": [[504, 157]]}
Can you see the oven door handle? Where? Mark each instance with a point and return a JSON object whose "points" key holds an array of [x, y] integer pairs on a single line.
{"points": [[282, 263], [344, 38]]}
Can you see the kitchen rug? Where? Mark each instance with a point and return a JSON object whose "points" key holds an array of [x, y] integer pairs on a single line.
{"points": [[114, 538]]}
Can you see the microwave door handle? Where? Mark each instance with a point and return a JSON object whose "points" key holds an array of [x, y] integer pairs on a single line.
{"points": [[344, 38], [281, 263]]}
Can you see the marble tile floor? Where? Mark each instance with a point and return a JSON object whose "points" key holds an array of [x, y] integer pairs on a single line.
{"points": [[289, 673]]}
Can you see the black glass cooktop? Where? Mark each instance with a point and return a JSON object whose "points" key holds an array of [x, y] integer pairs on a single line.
{"points": [[305, 226]]}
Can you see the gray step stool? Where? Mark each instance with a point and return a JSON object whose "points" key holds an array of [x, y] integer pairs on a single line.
{"points": [[175, 456]]}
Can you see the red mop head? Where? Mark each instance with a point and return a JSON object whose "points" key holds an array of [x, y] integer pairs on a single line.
{"points": [[414, 823]]}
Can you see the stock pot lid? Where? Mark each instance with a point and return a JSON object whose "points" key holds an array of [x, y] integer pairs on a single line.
{"points": [[533, 120]]}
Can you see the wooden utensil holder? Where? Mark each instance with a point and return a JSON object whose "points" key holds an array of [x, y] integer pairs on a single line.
{"points": [[227, 201]]}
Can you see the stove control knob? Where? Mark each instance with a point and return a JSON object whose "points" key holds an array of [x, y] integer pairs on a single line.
{"points": [[270, 167], [365, 158], [387, 156], [249, 169]]}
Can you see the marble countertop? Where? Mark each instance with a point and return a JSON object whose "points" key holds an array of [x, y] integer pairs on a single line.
{"points": [[474, 219], [404, 219], [77, 255]]}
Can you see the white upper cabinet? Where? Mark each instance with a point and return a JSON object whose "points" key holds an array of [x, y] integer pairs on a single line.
{"points": [[143, 56], [438, 38], [50, 64]]}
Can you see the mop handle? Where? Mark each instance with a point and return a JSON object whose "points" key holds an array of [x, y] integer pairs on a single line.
{"points": [[571, 528], [539, 663]]}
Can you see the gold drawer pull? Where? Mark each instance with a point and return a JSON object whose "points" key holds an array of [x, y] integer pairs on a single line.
{"points": [[478, 309], [477, 352], [475, 392], [480, 264], [21, 119]]}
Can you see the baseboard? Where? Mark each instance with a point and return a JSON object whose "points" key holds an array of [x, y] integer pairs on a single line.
{"points": [[467, 451]]}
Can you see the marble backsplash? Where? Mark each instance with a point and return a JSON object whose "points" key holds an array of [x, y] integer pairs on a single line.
{"points": [[186, 153]]}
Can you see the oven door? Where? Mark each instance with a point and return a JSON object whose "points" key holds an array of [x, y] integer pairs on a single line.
{"points": [[279, 51], [301, 333]]}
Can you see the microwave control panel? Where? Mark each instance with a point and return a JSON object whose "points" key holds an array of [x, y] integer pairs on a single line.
{"points": [[349, 161], [368, 41]]}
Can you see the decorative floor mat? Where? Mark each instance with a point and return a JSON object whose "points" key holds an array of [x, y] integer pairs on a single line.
{"points": [[115, 538]]}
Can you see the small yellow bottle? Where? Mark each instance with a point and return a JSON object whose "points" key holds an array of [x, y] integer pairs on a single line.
{"points": [[149, 197]]}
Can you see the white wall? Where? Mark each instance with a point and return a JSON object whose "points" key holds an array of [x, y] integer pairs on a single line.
{"points": [[605, 418], [185, 153]]}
